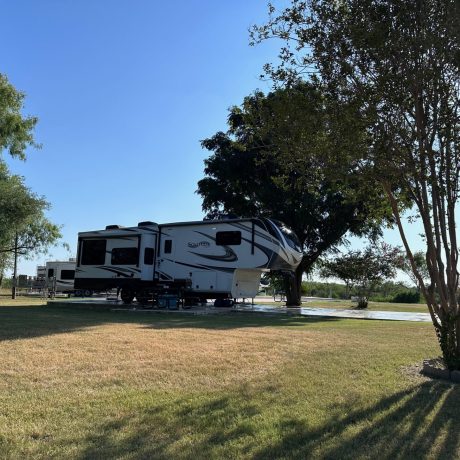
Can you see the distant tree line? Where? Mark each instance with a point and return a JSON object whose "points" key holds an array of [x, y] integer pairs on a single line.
{"points": [[388, 291]]}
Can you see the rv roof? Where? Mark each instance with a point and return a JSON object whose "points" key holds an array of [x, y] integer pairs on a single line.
{"points": [[127, 230], [207, 222]]}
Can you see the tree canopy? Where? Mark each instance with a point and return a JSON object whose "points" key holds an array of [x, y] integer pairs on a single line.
{"points": [[16, 130]]}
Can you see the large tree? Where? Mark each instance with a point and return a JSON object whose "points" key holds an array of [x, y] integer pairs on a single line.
{"points": [[277, 160], [400, 62]]}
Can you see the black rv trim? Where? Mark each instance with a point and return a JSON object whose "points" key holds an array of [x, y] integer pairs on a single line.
{"points": [[157, 252], [79, 251], [252, 237]]}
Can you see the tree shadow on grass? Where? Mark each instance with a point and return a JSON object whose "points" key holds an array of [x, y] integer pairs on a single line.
{"points": [[184, 428], [23, 322], [407, 424], [404, 425]]}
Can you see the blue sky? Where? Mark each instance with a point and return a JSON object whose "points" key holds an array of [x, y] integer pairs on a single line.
{"points": [[124, 92]]}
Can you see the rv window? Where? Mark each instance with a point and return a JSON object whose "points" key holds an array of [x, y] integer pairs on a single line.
{"points": [[93, 252], [67, 274], [289, 235], [148, 256], [125, 256], [50, 272], [168, 246], [272, 230], [228, 238]]}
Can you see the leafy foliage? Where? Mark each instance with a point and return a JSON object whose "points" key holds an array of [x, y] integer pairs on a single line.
{"points": [[407, 297], [419, 260], [16, 131]]}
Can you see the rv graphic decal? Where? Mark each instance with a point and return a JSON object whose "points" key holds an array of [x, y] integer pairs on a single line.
{"points": [[204, 244], [125, 272], [229, 255]]}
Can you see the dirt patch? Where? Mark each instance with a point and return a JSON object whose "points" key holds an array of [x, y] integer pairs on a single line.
{"points": [[429, 369], [414, 372]]}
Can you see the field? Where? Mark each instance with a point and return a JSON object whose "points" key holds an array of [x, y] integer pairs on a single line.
{"points": [[88, 384]]}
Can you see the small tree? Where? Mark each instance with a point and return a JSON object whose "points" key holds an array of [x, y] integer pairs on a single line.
{"points": [[362, 271]]}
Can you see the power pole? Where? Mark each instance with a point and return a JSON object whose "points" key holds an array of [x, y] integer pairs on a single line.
{"points": [[15, 270]]}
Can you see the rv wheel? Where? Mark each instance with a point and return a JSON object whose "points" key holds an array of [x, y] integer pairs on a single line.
{"points": [[127, 295]]}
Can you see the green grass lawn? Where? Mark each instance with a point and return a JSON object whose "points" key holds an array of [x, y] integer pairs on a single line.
{"points": [[89, 384]]}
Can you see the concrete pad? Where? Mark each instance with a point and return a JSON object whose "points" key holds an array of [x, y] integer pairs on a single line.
{"points": [[332, 312], [117, 305]]}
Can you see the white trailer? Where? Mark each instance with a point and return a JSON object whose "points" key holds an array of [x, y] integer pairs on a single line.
{"points": [[209, 259], [59, 276]]}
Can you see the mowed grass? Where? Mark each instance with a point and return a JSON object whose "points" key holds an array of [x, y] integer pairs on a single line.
{"points": [[131, 385]]}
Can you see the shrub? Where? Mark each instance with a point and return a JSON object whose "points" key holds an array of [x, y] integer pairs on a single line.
{"points": [[407, 297]]}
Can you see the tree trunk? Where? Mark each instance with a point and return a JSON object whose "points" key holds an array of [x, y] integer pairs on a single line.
{"points": [[449, 341], [362, 303], [293, 288], [15, 270]]}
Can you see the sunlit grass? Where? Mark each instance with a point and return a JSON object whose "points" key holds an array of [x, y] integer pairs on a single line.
{"points": [[88, 384]]}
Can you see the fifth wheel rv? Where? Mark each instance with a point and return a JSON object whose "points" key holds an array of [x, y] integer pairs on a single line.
{"points": [[211, 259]]}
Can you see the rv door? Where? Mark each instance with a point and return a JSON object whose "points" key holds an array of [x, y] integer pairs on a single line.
{"points": [[147, 256]]}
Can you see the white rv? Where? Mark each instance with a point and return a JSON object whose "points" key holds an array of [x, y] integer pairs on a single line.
{"points": [[59, 276], [206, 259]]}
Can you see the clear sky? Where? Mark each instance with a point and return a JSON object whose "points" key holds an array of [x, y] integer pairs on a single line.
{"points": [[124, 92]]}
